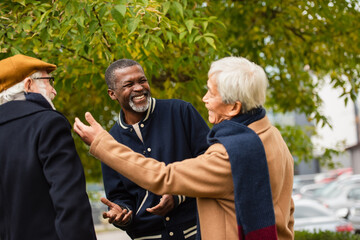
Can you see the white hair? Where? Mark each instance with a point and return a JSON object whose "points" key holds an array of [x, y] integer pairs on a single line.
{"points": [[17, 91], [42, 90], [238, 79]]}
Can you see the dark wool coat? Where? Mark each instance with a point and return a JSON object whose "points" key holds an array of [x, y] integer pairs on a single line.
{"points": [[42, 184]]}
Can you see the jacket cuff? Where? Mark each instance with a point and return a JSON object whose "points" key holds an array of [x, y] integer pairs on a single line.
{"points": [[178, 199]]}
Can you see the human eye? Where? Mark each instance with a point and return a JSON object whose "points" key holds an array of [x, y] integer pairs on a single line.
{"points": [[127, 85]]}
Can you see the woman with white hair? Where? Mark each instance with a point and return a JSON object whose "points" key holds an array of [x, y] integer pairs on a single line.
{"points": [[243, 182]]}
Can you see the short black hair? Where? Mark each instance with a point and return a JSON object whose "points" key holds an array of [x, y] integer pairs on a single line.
{"points": [[119, 64]]}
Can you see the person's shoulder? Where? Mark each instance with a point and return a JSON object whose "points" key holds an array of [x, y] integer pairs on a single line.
{"points": [[54, 116], [114, 128]]}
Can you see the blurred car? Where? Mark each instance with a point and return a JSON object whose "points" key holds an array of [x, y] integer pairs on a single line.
{"points": [[312, 216], [329, 188], [354, 217], [302, 180], [311, 190], [342, 196], [332, 175]]}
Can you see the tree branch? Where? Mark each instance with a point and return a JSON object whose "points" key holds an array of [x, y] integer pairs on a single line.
{"points": [[73, 51], [108, 46]]}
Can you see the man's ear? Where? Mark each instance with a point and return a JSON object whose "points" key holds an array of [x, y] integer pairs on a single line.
{"points": [[235, 109], [27, 85], [111, 94]]}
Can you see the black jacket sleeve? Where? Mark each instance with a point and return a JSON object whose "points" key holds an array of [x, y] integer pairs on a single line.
{"points": [[64, 173]]}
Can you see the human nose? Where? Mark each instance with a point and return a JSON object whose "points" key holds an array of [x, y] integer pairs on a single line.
{"points": [[54, 91], [204, 99], [138, 87]]}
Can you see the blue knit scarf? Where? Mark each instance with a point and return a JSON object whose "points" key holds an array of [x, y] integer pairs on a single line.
{"points": [[253, 200]]}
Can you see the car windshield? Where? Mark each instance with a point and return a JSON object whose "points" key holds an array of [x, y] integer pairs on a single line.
{"points": [[327, 190], [308, 212], [337, 190]]}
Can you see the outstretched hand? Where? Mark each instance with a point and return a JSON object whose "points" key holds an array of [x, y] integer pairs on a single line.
{"points": [[87, 133], [116, 214], [165, 205]]}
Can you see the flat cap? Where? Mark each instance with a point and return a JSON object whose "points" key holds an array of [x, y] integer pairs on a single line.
{"points": [[16, 68]]}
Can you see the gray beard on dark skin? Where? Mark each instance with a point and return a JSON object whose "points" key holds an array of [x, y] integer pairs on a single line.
{"points": [[140, 109]]}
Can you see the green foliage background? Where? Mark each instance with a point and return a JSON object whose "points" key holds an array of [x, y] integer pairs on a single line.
{"points": [[176, 41]]}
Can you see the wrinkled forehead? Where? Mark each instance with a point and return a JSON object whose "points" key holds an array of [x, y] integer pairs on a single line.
{"points": [[212, 82], [131, 73]]}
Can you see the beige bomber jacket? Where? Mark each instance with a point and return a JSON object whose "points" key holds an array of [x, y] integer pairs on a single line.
{"points": [[208, 178]]}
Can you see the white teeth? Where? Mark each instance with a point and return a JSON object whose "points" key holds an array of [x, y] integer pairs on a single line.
{"points": [[139, 97]]}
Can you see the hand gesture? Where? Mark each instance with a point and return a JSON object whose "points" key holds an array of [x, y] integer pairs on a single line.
{"points": [[116, 214], [87, 133], [165, 205]]}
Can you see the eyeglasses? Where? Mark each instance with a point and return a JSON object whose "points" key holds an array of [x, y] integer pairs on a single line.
{"points": [[51, 80]]}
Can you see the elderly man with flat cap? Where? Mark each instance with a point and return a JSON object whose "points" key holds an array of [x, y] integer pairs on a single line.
{"points": [[42, 183]]}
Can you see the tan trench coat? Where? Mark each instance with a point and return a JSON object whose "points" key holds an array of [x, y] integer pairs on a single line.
{"points": [[208, 178]]}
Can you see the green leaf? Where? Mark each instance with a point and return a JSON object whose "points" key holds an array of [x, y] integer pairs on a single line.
{"points": [[179, 8], [69, 10], [197, 38], [146, 40], [182, 35], [22, 2], [93, 26], [121, 9], [189, 24], [169, 35], [14, 51], [205, 25], [166, 6], [102, 11], [44, 35], [117, 16], [80, 21], [142, 32], [133, 24], [210, 41], [158, 41], [10, 35], [210, 35], [64, 31], [111, 33], [45, 15]]}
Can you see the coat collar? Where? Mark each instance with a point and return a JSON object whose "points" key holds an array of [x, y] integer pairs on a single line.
{"points": [[261, 125], [19, 108], [149, 111]]}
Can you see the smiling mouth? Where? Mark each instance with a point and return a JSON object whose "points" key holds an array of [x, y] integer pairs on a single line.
{"points": [[139, 98]]}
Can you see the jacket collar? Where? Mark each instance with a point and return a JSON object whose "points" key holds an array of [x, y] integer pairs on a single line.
{"points": [[38, 99], [149, 111], [19, 108], [261, 125]]}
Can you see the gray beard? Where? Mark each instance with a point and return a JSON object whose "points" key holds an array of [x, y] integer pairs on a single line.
{"points": [[140, 109], [42, 89]]}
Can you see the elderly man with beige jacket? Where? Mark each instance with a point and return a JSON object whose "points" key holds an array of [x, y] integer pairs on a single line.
{"points": [[243, 182]]}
